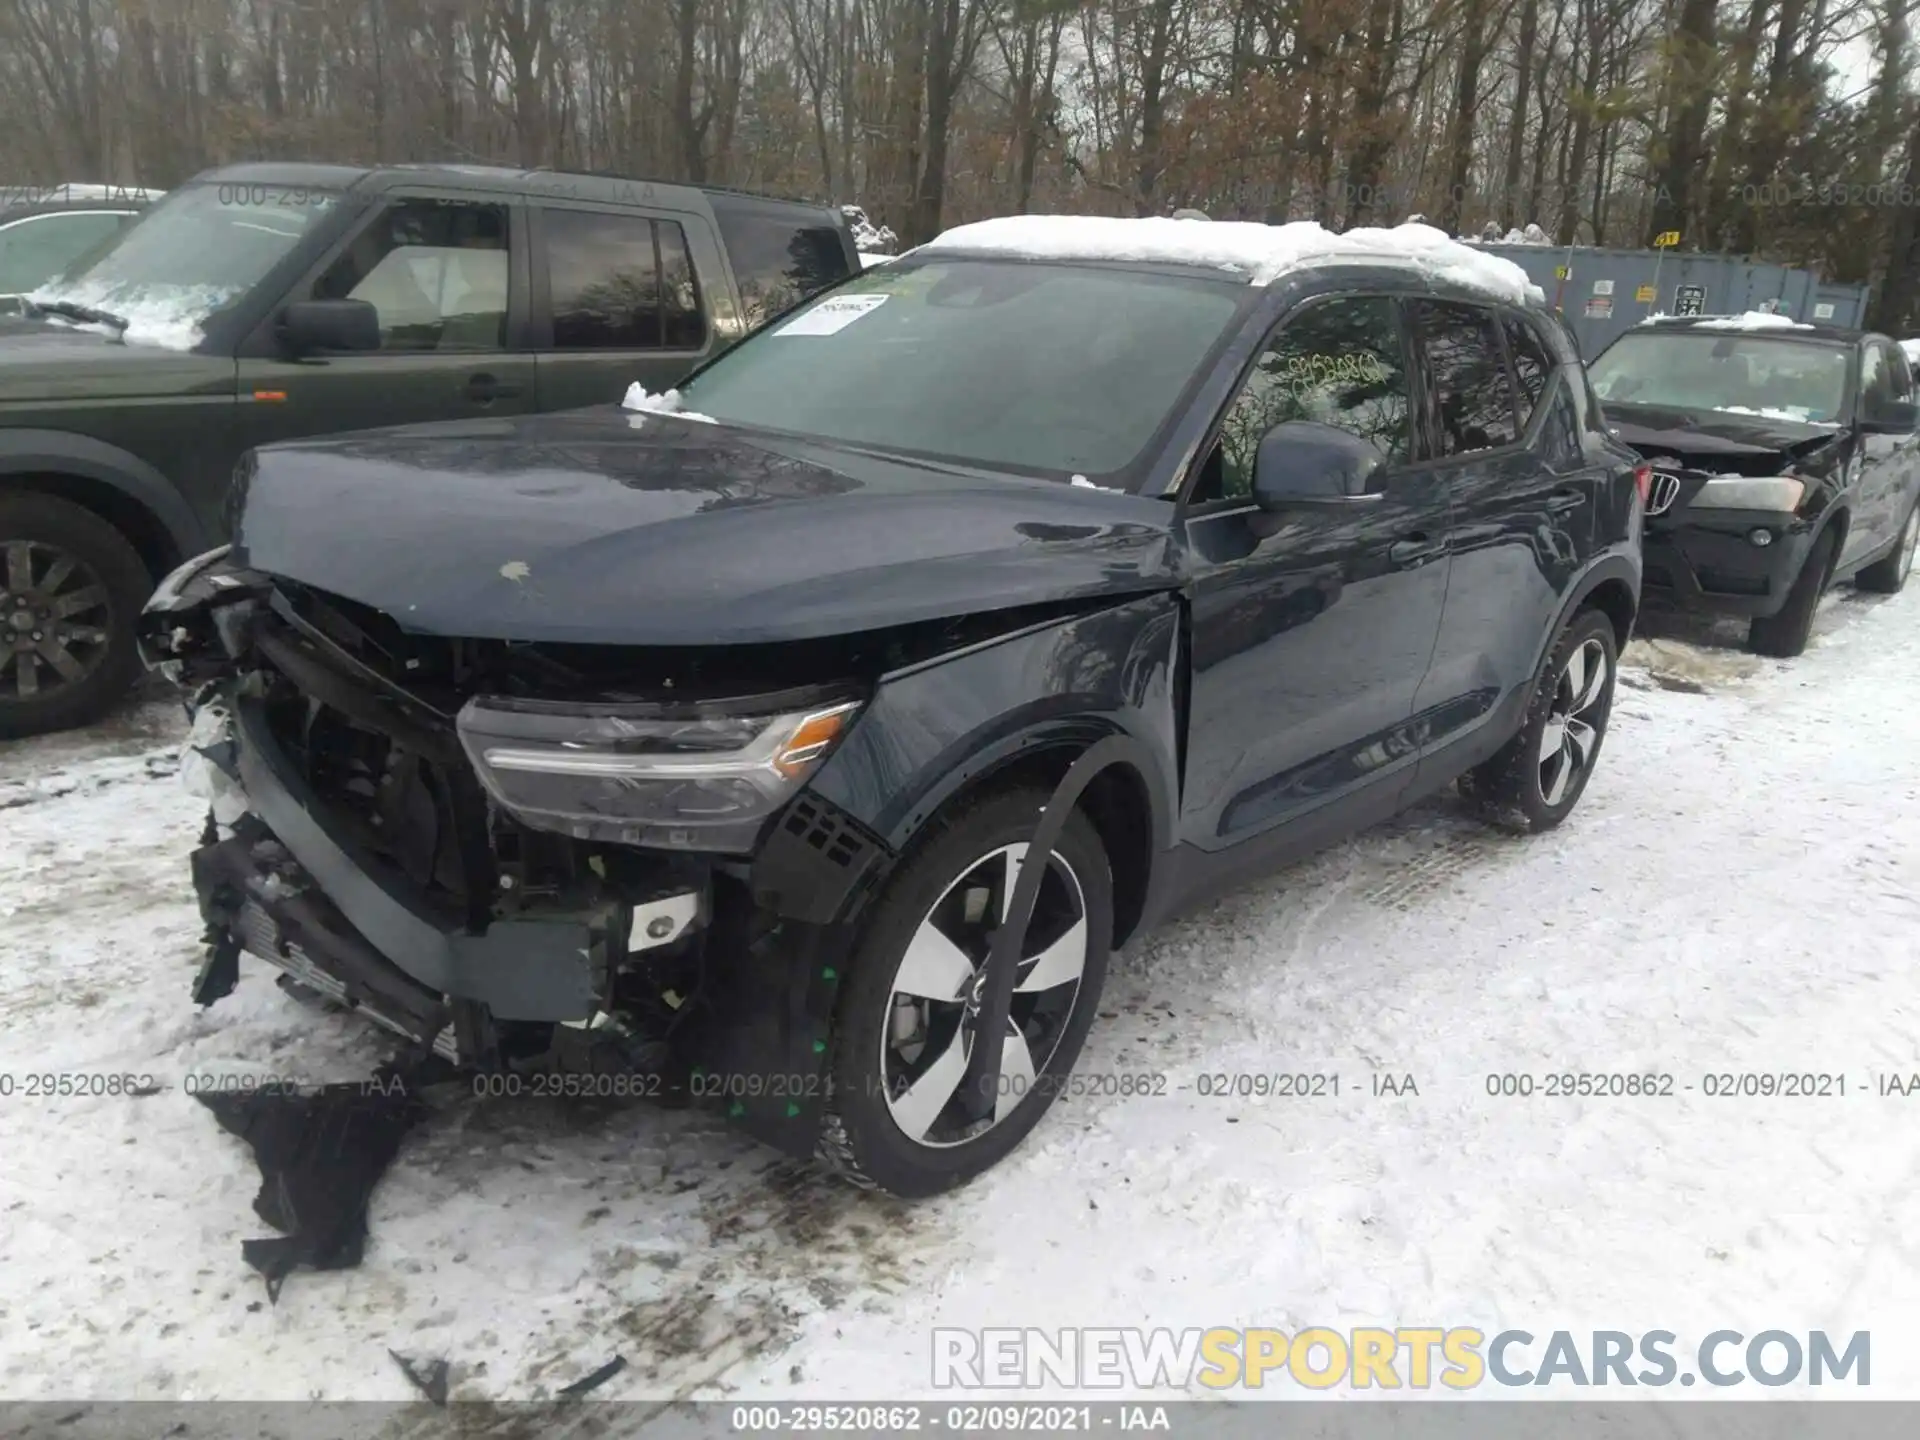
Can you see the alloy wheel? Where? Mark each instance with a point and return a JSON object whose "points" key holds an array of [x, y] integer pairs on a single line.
{"points": [[934, 1002], [54, 619], [1567, 740]]}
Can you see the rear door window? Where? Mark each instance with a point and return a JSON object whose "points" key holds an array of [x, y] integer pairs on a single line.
{"points": [[620, 282], [780, 255], [1470, 401]]}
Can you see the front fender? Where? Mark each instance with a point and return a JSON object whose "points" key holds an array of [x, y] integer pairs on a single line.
{"points": [[935, 729], [930, 731], [60, 452]]}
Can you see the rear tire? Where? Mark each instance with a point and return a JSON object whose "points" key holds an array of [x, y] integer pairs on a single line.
{"points": [[1785, 635], [886, 1042], [1888, 574], [56, 557], [1533, 782]]}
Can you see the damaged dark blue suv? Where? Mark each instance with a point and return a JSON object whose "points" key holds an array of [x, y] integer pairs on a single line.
{"points": [[713, 743]]}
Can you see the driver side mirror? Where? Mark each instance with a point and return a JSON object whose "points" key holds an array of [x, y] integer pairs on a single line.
{"points": [[307, 326], [1891, 417], [1305, 463]]}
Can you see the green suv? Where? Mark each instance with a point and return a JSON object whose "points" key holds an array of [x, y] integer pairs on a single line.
{"points": [[267, 302]]}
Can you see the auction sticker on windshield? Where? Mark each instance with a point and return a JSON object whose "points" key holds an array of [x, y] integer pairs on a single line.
{"points": [[832, 315]]}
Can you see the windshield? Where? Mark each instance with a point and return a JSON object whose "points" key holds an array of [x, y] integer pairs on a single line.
{"points": [[194, 252], [1734, 374], [1050, 369]]}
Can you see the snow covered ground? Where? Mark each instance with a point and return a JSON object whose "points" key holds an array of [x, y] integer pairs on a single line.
{"points": [[1739, 891]]}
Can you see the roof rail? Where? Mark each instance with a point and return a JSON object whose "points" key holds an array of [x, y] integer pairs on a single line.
{"points": [[686, 184]]}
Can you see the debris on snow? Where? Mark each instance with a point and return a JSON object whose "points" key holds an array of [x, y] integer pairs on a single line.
{"points": [[594, 1381], [429, 1377], [1262, 252], [320, 1155]]}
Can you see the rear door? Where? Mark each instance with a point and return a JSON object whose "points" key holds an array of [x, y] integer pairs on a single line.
{"points": [[448, 275], [1522, 513], [620, 295]]}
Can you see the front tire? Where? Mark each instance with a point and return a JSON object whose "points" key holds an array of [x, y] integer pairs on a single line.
{"points": [[1888, 574], [1785, 635], [1533, 782], [903, 1035], [71, 587]]}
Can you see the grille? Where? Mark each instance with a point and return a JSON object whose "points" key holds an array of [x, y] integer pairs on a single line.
{"points": [[389, 780]]}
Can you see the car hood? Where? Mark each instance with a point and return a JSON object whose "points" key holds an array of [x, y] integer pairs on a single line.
{"points": [[1712, 439], [609, 527], [42, 361]]}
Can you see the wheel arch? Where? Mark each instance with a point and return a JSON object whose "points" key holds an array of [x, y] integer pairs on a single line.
{"points": [[109, 482], [1839, 519], [1612, 586], [1118, 800]]}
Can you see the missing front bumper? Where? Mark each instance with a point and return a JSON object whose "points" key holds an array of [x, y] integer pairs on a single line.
{"points": [[287, 889]]}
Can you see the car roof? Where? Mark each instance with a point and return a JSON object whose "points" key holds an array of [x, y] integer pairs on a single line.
{"points": [[1246, 251], [59, 207], [507, 180], [1791, 330]]}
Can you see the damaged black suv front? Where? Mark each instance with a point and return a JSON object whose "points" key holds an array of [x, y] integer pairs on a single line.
{"points": [[1785, 459], [585, 742]]}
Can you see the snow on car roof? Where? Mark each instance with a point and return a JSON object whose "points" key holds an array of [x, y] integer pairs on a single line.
{"points": [[1752, 320], [1262, 252]]}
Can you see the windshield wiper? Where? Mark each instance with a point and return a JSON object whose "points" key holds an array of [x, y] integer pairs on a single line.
{"points": [[70, 310]]}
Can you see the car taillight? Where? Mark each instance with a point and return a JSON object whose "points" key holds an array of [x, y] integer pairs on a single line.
{"points": [[1643, 482]]}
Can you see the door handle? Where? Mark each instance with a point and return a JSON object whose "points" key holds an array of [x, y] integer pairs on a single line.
{"points": [[1414, 550], [1564, 499], [486, 388]]}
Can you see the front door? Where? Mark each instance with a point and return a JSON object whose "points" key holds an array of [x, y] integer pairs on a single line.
{"points": [[1312, 628], [447, 276]]}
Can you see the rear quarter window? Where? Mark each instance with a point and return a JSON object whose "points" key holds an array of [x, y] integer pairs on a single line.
{"points": [[780, 254]]}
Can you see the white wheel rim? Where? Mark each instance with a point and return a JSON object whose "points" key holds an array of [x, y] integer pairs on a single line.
{"points": [[1573, 723], [934, 999]]}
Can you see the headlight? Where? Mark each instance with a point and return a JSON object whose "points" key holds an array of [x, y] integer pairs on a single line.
{"points": [[680, 778], [167, 597], [1748, 492]]}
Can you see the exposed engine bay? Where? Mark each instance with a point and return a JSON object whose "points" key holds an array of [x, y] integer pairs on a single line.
{"points": [[547, 946]]}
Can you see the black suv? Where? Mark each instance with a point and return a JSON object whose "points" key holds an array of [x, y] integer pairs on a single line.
{"points": [[264, 302], [1785, 459], [719, 740]]}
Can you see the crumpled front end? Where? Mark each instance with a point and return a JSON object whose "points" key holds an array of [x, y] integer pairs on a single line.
{"points": [[406, 825]]}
